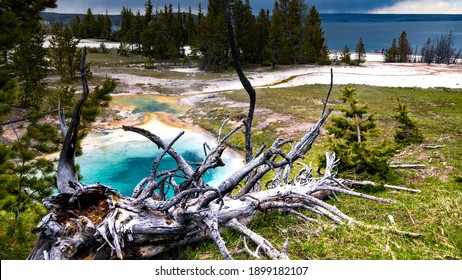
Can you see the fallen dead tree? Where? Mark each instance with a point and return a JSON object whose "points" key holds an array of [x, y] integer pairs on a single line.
{"points": [[97, 222]]}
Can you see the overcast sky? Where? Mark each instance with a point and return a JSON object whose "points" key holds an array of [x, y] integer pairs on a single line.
{"points": [[324, 6]]}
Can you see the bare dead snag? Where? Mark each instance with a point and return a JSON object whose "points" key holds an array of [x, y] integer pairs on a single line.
{"points": [[245, 83], [66, 174]]}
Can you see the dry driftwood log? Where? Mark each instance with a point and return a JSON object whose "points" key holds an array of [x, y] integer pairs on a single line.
{"points": [[97, 222]]}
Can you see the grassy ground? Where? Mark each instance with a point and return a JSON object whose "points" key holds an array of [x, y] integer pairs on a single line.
{"points": [[18, 246], [436, 212], [139, 65]]}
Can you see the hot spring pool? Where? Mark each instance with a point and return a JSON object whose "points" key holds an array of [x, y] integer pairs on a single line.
{"points": [[122, 159]]}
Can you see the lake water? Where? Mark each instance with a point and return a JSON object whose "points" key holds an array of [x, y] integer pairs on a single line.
{"points": [[378, 31], [122, 159]]}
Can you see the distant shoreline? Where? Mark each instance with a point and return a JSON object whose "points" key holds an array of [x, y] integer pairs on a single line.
{"points": [[52, 16]]}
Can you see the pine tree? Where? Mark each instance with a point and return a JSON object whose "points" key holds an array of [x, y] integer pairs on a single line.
{"points": [[350, 137], [76, 27], [31, 69], [428, 51], [392, 54], [148, 13], [404, 48], [169, 34], [89, 25], [360, 51], [181, 25], [19, 19], [8, 92], [136, 29], [126, 20], [25, 181], [244, 28], [10, 33], [276, 38], [345, 55], [149, 38], [262, 35], [200, 15], [98, 99], [285, 53], [214, 39], [191, 30], [407, 131], [107, 27], [99, 26], [64, 53], [314, 48], [293, 31], [178, 30]]}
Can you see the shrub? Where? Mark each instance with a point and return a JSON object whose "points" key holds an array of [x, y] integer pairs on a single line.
{"points": [[350, 139], [407, 132]]}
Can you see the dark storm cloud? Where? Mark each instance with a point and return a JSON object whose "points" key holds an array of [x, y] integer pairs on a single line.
{"points": [[349, 6], [334, 6], [115, 6]]}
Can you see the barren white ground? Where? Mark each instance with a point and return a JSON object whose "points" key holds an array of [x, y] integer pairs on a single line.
{"points": [[374, 73]]}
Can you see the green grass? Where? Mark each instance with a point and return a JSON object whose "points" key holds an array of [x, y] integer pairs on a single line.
{"points": [[18, 246], [436, 212], [112, 60], [135, 65]]}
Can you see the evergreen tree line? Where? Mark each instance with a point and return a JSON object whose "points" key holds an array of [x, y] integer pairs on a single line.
{"points": [[439, 50], [92, 26], [291, 33]]}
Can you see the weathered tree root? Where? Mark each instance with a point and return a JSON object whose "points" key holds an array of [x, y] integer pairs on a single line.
{"points": [[99, 223]]}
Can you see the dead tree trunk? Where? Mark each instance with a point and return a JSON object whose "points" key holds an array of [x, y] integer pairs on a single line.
{"points": [[245, 83], [97, 222], [67, 176]]}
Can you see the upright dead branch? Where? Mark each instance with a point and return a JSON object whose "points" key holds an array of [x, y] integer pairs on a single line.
{"points": [[245, 83], [66, 173], [284, 166]]}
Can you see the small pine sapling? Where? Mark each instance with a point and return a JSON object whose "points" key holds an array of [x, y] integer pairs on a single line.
{"points": [[407, 132], [350, 139]]}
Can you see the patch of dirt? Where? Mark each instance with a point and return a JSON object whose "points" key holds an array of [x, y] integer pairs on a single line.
{"points": [[436, 163], [117, 117], [265, 119], [11, 132]]}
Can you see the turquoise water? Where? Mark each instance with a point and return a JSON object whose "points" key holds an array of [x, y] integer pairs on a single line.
{"points": [[121, 165], [145, 104], [122, 159]]}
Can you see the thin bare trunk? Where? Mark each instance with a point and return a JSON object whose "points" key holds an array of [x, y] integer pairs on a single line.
{"points": [[66, 174], [245, 83]]}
